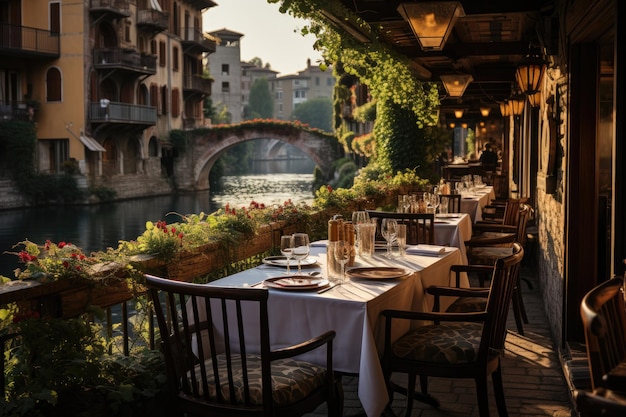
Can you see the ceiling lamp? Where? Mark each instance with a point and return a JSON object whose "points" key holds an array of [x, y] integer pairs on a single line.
{"points": [[516, 103], [456, 84], [458, 113], [484, 111], [529, 75], [431, 22], [505, 109]]}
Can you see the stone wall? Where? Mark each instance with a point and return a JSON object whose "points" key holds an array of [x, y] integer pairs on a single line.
{"points": [[550, 211], [9, 195]]}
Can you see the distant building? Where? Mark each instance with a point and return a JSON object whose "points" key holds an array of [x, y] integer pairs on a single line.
{"points": [[233, 80], [104, 81]]}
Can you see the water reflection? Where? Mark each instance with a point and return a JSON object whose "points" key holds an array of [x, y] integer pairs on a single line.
{"points": [[97, 227]]}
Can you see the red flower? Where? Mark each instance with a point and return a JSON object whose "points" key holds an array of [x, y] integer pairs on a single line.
{"points": [[26, 257], [66, 264], [25, 316], [61, 245]]}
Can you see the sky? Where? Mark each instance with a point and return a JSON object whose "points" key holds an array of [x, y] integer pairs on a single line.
{"points": [[268, 34]]}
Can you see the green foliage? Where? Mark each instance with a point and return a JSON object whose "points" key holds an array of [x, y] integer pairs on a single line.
{"points": [[316, 112], [45, 188], [346, 140], [102, 193], [261, 101], [365, 112], [18, 143], [60, 367], [180, 140]]}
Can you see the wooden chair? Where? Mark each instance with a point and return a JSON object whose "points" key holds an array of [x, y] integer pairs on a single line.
{"points": [[454, 202], [231, 370], [485, 249], [420, 227], [604, 320], [463, 345]]}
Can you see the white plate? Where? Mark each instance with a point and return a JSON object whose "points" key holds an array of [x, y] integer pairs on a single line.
{"points": [[296, 283], [376, 272], [282, 261]]}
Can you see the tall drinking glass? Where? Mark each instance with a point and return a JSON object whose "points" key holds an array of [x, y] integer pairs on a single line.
{"points": [[301, 248], [401, 239], [358, 218], [286, 249], [343, 253]]}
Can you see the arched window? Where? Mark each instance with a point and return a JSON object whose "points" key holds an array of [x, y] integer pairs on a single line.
{"points": [[54, 85], [153, 147]]}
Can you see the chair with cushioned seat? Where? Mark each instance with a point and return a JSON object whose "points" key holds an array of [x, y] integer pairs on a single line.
{"points": [[462, 345], [230, 370]]}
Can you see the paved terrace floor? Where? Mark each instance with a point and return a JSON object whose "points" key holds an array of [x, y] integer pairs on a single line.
{"points": [[534, 382]]}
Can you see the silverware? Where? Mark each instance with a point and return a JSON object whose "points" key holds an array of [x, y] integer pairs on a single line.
{"points": [[330, 287]]}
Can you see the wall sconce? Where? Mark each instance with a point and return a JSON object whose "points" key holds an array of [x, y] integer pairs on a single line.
{"points": [[484, 111], [458, 113], [455, 84], [431, 22], [505, 109], [529, 76]]}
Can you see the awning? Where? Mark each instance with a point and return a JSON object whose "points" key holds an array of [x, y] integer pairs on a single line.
{"points": [[91, 144], [155, 5]]}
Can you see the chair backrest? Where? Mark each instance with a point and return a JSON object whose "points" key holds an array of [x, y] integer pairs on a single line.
{"points": [[522, 221], [454, 202], [604, 321], [420, 227], [192, 320], [503, 281]]}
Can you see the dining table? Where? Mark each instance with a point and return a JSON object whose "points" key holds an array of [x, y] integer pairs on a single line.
{"points": [[453, 229], [353, 308], [474, 201]]}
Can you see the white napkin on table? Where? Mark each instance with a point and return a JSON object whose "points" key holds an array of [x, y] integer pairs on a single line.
{"points": [[423, 249]]}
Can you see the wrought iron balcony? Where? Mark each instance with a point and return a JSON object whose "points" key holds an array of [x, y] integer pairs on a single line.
{"points": [[115, 8], [114, 112], [26, 41], [124, 59], [197, 84], [152, 20], [194, 42]]}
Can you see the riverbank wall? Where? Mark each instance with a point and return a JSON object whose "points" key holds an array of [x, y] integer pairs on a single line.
{"points": [[125, 187]]}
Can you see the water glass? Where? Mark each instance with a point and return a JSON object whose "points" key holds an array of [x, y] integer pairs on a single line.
{"points": [[358, 218], [367, 235], [388, 228], [301, 248], [401, 239], [343, 252], [286, 249]]}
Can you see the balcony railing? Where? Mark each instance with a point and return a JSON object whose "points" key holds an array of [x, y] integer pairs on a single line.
{"points": [[23, 40], [194, 41], [129, 60], [113, 112], [152, 19], [115, 7], [18, 110], [195, 83]]}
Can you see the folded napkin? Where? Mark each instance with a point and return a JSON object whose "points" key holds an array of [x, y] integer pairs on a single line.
{"points": [[319, 244], [423, 249]]}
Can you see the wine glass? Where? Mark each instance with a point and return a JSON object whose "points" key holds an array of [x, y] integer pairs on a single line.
{"points": [[301, 248], [388, 230], [358, 218], [342, 252], [286, 248]]}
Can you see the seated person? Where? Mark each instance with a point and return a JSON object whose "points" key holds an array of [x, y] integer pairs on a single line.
{"points": [[489, 159]]}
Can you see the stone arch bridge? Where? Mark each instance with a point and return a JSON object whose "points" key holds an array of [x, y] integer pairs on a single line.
{"points": [[205, 146]]}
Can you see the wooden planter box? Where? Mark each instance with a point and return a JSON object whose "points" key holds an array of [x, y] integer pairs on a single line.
{"points": [[213, 256]]}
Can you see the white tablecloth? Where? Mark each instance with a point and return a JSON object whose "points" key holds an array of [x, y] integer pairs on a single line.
{"points": [[474, 202], [453, 230], [353, 311]]}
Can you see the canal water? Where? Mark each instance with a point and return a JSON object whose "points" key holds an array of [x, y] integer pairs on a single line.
{"points": [[98, 227]]}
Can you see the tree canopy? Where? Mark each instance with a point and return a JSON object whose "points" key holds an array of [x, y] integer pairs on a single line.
{"points": [[316, 112], [261, 101]]}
